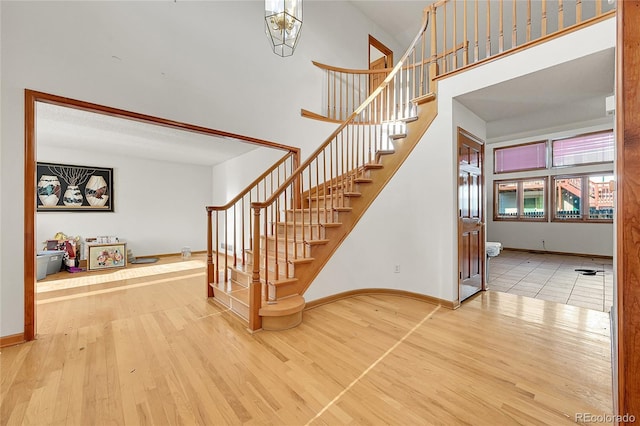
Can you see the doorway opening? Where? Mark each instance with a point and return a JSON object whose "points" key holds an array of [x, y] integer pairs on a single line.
{"points": [[38, 105], [471, 232]]}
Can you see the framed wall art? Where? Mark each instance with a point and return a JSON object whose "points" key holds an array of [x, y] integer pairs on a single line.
{"points": [[106, 255], [69, 188]]}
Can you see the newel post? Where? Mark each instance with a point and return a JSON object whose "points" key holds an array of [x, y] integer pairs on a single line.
{"points": [[210, 267], [255, 290]]}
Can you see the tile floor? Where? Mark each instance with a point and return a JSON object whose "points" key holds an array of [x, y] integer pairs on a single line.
{"points": [[553, 277]]}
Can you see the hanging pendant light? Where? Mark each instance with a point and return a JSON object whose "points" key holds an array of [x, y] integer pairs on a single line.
{"points": [[283, 22]]}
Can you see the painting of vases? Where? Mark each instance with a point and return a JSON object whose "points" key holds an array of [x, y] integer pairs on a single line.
{"points": [[49, 190], [72, 196], [65, 187], [96, 191]]}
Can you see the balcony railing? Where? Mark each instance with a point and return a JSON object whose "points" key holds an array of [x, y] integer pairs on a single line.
{"points": [[464, 33]]}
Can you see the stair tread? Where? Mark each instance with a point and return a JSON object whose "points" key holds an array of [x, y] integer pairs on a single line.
{"points": [[283, 281], [373, 166], [246, 270], [325, 225], [398, 135], [406, 119], [424, 98], [290, 259], [311, 209], [335, 209], [313, 242], [281, 307], [345, 193], [288, 305], [221, 286]]}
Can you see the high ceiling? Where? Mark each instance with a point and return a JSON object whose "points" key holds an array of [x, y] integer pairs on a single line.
{"points": [[567, 93]]}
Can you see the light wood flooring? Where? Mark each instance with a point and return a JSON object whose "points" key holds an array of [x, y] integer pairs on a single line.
{"points": [[154, 350]]}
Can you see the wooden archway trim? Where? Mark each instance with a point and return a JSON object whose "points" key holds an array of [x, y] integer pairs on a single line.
{"points": [[30, 99], [627, 211]]}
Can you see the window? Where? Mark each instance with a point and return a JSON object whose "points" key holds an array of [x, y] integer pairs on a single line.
{"points": [[520, 199], [585, 149], [583, 198], [530, 156]]}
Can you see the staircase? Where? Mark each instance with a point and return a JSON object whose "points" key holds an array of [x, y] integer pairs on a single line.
{"points": [[306, 236], [288, 223]]}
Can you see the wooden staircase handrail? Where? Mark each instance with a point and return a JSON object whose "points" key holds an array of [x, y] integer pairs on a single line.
{"points": [[296, 173], [351, 71], [294, 152]]}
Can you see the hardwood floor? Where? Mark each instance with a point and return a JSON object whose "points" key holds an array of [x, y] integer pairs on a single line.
{"points": [[157, 352]]}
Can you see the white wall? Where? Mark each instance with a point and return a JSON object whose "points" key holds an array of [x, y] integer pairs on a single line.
{"points": [[579, 238], [158, 206], [203, 63], [231, 177], [416, 228]]}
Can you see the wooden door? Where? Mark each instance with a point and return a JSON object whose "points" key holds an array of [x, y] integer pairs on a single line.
{"points": [[382, 107], [376, 79], [471, 230]]}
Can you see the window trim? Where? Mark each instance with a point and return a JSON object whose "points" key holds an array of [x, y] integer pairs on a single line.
{"points": [[542, 141], [584, 215], [520, 200]]}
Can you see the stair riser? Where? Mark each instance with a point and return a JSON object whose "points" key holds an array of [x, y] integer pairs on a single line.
{"points": [[240, 309], [283, 290], [242, 278], [233, 304], [283, 268], [312, 217], [221, 296], [275, 291], [298, 249], [328, 202], [336, 188], [308, 232]]}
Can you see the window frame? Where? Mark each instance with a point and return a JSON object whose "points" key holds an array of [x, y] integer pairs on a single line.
{"points": [[521, 217], [584, 207], [551, 159], [543, 142]]}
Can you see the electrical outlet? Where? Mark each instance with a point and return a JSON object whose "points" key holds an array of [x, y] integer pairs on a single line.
{"points": [[396, 269]]}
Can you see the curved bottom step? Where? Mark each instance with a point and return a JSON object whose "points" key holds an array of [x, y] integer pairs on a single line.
{"points": [[283, 315]]}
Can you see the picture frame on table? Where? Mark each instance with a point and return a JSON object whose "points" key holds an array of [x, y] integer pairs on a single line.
{"points": [[106, 256]]}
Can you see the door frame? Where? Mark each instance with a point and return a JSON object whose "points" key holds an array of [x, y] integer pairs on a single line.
{"points": [[388, 53], [483, 259]]}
